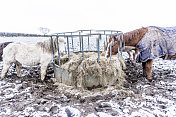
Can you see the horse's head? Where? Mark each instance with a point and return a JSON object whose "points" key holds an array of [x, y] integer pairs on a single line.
{"points": [[60, 47], [131, 39], [47, 47], [114, 44]]}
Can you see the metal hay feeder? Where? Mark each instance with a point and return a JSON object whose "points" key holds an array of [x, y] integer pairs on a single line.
{"points": [[101, 37]]}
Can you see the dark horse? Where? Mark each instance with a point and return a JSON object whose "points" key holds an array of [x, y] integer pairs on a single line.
{"points": [[151, 42], [2, 46]]}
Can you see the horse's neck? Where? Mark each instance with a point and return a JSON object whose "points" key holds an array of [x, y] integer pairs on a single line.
{"points": [[132, 38]]}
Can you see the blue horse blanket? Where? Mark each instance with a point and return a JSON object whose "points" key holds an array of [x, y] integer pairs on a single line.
{"points": [[157, 42]]}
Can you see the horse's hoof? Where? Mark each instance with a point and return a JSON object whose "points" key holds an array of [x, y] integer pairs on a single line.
{"points": [[19, 76], [133, 63], [144, 74], [2, 77], [42, 79], [150, 80]]}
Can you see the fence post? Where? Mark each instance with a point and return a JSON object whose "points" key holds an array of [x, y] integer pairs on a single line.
{"points": [[52, 49], [58, 49], [82, 48], [88, 43], [104, 46], [110, 50], [98, 47], [72, 42], [80, 40], [68, 49]]}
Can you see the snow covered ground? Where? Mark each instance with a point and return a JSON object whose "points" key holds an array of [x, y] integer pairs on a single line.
{"points": [[28, 96]]}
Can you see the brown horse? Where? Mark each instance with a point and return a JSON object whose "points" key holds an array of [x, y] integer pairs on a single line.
{"points": [[135, 38]]}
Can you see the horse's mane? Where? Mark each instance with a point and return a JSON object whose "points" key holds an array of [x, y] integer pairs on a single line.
{"points": [[46, 45], [133, 37]]}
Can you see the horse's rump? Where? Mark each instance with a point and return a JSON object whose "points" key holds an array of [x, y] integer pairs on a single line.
{"points": [[2, 46], [157, 42]]}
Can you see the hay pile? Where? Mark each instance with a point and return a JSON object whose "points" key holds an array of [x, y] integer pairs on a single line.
{"points": [[90, 74]]}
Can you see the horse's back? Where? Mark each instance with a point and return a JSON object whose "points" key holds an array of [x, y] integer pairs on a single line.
{"points": [[22, 52]]}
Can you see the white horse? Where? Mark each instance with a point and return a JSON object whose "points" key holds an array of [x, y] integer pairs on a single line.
{"points": [[25, 54]]}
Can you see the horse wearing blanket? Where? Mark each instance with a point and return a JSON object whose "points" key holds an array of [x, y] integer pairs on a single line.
{"points": [[25, 54], [152, 42]]}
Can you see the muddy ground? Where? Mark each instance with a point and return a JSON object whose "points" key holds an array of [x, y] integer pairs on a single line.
{"points": [[29, 97]]}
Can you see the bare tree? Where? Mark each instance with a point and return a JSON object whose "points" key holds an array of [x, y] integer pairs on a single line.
{"points": [[44, 30]]}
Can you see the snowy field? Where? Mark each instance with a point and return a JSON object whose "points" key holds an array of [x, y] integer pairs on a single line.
{"points": [[74, 44], [29, 97]]}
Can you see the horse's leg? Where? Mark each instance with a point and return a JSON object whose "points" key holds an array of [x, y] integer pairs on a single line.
{"points": [[144, 68], [44, 66], [134, 54], [6, 66], [129, 54], [148, 68], [18, 69], [43, 71]]}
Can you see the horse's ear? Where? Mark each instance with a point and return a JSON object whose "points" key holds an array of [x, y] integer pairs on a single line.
{"points": [[39, 43], [144, 27]]}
